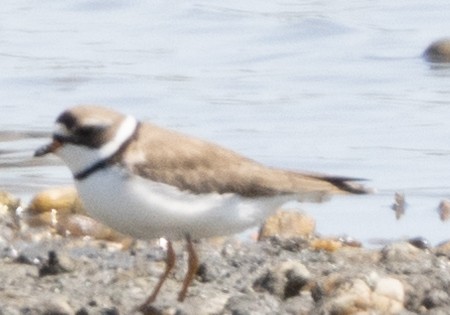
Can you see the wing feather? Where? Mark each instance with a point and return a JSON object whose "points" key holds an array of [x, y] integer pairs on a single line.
{"points": [[202, 167]]}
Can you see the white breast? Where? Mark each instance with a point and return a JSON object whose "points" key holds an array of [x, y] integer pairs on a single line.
{"points": [[146, 209]]}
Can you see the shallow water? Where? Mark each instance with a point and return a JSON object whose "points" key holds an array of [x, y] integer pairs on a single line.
{"points": [[329, 87]]}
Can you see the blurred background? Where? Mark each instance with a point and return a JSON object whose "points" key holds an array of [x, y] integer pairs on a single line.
{"points": [[332, 87]]}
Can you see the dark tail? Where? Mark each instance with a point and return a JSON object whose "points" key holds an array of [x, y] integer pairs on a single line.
{"points": [[347, 184]]}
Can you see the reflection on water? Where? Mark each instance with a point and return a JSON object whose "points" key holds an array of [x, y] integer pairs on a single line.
{"points": [[315, 85]]}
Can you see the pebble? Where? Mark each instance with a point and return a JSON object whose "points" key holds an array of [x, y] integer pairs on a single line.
{"points": [[251, 304], [294, 244], [349, 241], [444, 210], [435, 298], [44, 219], [52, 304], [438, 51], [57, 306], [399, 205], [9, 219], [420, 242], [388, 295], [356, 296], [443, 249], [78, 225], [62, 199], [8, 202], [302, 304], [401, 251], [51, 266], [404, 258], [284, 280], [288, 224], [329, 245]]}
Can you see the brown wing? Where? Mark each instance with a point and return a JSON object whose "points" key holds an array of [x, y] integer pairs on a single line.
{"points": [[202, 167]]}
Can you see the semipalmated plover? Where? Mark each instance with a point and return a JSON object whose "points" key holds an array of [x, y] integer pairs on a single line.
{"points": [[150, 182]]}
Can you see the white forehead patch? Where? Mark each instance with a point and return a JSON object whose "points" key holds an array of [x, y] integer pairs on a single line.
{"points": [[60, 129]]}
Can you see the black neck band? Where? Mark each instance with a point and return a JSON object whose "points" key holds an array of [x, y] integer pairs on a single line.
{"points": [[92, 169], [106, 161]]}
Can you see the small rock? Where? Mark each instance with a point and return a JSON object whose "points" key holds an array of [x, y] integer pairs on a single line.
{"points": [[329, 245], [80, 225], [350, 297], [438, 51], [434, 311], [420, 242], [52, 304], [212, 266], [302, 304], [56, 306], [109, 311], [9, 218], [288, 224], [388, 296], [399, 205], [401, 251], [435, 298], [443, 249], [82, 311], [251, 305], [51, 266], [285, 280], [203, 304], [294, 244], [444, 210], [349, 241], [8, 203], [355, 296], [49, 219], [404, 258], [62, 199]]}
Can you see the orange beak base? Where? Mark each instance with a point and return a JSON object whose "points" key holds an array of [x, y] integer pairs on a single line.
{"points": [[48, 148]]}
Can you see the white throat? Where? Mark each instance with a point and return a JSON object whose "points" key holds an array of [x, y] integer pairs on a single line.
{"points": [[78, 158]]}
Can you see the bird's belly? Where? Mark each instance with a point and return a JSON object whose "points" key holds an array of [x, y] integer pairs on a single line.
{"points": [[147, 209]]}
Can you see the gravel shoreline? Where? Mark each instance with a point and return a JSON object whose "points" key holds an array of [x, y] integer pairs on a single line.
{"points": [[43, 272]]}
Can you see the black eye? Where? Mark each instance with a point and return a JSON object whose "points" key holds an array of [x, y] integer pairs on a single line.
{"points": [[90, 136]]}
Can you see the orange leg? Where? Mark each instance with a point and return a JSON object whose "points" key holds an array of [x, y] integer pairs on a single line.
{"points": [[170, 263], [193, 265]]}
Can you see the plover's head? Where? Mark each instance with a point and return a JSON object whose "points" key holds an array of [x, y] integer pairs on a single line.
{"points": [[85, 135]]}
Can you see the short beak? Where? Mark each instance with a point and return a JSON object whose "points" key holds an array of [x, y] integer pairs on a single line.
{"points": [[48, 148]]}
